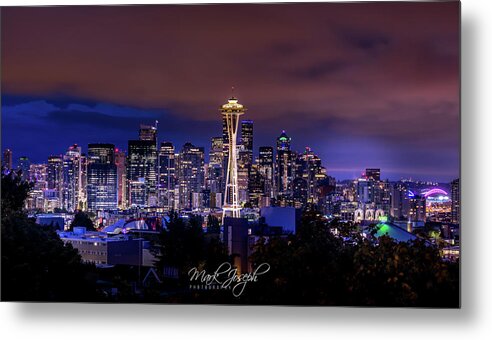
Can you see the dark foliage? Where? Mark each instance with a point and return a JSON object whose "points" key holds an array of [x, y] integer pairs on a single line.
{"points": [[213, 225], [36, 265], [82, 219], [184, 245], [315, 267]]}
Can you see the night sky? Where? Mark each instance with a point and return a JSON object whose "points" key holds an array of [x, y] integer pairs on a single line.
{"points": [[364, 85]]}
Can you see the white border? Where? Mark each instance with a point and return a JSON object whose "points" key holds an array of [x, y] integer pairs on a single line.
{"points": [[473, 321]]}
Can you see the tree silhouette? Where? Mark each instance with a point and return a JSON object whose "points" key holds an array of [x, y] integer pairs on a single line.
{"points": [[213, 225], [82, 219], [315, 267], [183, 245], [36, 265]]}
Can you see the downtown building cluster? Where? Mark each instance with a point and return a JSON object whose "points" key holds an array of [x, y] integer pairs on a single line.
{"points": [[157, 177]]}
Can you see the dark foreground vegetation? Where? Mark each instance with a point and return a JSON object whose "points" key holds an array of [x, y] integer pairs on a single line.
{"points": [[312, 267]]}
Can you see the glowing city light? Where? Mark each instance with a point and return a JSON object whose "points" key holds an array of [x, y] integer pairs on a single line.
{"points": [[434, 191]]}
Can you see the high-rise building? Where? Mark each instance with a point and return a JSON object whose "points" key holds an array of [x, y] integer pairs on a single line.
{"points": [[455, 201], [120, 162], [24, 165], [365, 190], [256, 186], [247, 134], [300, 190], [102, 178], [7, 159], [243, 176], [54, 177], [382, 196], [101, 153], [400, 200], [231, 112], [373, 174], [83, 182], [166, 175], [247, 141], [72, 179], [191, 175], [225, 136], [417, 209], [215, 174], [148, 132], [141, 173], [284, 169], [38, 177], [266, 169], [55, 173], [308, 167]]}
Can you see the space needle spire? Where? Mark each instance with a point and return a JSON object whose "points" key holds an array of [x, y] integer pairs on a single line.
{"points": [[231, 112]]}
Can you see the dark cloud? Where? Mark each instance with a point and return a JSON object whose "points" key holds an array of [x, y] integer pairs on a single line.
{"points": [[362, 83], [321, 70]]}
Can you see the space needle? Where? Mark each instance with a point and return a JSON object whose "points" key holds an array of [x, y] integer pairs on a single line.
{"points": [[231, 112]]}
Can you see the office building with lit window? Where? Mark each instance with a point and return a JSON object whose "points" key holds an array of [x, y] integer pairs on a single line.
{"points": [[72, 195], [284, 169], [166, 175], [247, 141], [215, 173], [191, 175], [141, 173], [102, 178], [266, 169], [120, 162]]}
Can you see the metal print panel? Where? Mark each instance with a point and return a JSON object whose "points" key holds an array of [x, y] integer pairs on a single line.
{"points": [[247, 154]]}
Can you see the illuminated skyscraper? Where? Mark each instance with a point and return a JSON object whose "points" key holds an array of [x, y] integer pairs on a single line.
{"points": [[38, 176], [299, 192], [55, 173], [365, 190], [455, 201], [24, 165], [191, 175], [166, 175], [284, 169], [99, 153], [308, 167], [256, 185], [120, 162], [102, 178], [247, 141], [400, 200], [215, 178], [141, 170], [266, 169], [7, 159], [54, 177], [417, 209], [141, 173], [225, 137], [72, 179], [148, 132], [231, 112]]}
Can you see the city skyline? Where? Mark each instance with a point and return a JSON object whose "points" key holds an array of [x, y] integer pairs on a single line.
{"points": [[310, 152], [376, 93], [357, 173]]}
